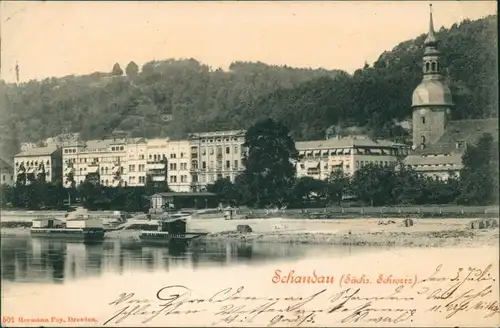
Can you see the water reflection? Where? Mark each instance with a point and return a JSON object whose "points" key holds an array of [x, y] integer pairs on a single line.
{"points": [[54, 261]]}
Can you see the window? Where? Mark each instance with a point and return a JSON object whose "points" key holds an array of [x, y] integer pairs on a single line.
{"points": [[422, 139], [433, 66], [173, 166], [141, 156], [121, 147], [173, 178], [228, 164], [112, 148], [203, 165], [183, 178], [236, 149], [183, 166], [182, 155], [236, 164], [427, 66], [107, 182], [357, 164], [228, 150], [423, 119]]}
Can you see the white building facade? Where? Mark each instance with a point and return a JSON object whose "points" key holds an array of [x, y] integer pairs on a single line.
{"points": [[215, 155], [318, 159], [37, 163], [168, 160], [101, 161]]}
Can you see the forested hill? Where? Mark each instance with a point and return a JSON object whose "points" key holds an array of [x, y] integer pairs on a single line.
{"points": [[378, 95], [200, 99], [139, 102]]}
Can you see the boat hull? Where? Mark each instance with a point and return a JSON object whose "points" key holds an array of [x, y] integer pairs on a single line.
{"points": [[166, 239], [81, 235]]}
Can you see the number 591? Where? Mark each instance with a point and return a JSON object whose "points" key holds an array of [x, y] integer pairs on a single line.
{"points": [[7, 319]]}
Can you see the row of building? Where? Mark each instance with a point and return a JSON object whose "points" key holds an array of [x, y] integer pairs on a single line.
{"points": [[189, 165]]}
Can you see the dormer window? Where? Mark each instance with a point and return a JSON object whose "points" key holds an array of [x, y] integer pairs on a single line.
{"points": [[433, 65]]}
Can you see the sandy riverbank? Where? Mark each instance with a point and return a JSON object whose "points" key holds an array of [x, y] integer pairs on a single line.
{"points": [[362, 232]]}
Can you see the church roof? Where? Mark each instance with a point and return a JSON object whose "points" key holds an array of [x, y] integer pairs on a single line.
{"points": [[432, 92], [457, 135]]}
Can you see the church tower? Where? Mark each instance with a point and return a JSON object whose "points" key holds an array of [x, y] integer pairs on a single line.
{"points": [[431, 101]]}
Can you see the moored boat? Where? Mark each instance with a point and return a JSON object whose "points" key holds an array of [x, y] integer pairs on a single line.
{"points": [[79, 227], [171, 231]]}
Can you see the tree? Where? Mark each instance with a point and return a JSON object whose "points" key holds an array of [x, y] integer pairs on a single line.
{"points": [[479, 176], [132, 70], [306, 188], [374, 184], [269, 170], [225, 189], [409, 186], [338, 185], [117, 70]]}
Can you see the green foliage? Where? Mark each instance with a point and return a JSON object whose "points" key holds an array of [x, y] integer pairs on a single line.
{"points": [[307, 188], [117, 70], [132, 70], [479, 177], [227, 191], [374, 184], [338, 185], [269, 170]]}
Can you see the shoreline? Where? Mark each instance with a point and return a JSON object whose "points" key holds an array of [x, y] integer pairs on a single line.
{"points": [[354, 232]]}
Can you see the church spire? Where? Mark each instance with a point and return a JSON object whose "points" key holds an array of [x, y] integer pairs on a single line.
{"points": [[431, 54], [431, 37]]}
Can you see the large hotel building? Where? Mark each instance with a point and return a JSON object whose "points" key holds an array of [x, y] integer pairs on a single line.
{"points": [[190, 165]]}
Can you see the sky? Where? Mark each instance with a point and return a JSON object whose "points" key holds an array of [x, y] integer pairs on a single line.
{"points": [[63, 38]]}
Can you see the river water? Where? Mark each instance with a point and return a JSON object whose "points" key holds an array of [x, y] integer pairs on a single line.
{"points": [[56, 283]]}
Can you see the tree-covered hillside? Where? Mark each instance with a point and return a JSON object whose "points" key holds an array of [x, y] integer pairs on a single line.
{"points": [[374, 97], [139, 103], [174, 97]]}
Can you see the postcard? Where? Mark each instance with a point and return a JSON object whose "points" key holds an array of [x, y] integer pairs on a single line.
{"points": [[249, 164]]}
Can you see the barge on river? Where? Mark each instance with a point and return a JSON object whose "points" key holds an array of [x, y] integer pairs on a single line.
{"points": [[171, 231], [78, 227]]}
